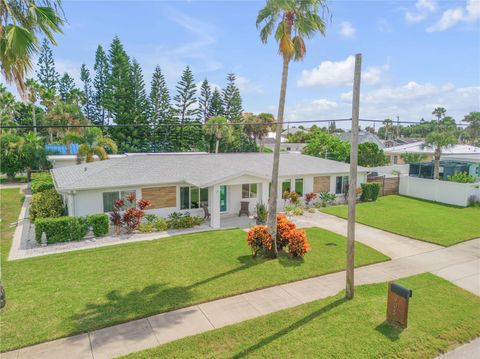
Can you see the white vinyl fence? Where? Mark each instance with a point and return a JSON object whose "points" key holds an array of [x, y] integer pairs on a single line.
{"points": [[454, 193]]}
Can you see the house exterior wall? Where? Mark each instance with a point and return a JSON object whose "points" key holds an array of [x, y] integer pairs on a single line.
{"points": [[86, 202]]}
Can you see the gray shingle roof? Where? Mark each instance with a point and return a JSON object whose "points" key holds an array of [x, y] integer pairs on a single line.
{"points": [[363, 137], [196, 169]]}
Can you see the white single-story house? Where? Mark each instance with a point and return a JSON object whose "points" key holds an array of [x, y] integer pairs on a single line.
{"points": [[188, 181]]}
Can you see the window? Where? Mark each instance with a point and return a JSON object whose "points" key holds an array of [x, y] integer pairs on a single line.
{"points": [[299, 186], [249, 190], [193, 197], [109, 199], [395, 160], [286, 186], [341, 184]]}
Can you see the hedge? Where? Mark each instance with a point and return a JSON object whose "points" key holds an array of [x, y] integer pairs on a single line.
{"points": [[47, 204], [61, 229], [41, 182], [370, 191], [99, 223]]}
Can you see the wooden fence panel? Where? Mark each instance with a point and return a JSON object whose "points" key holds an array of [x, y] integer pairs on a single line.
{"points": [[388, 185]]}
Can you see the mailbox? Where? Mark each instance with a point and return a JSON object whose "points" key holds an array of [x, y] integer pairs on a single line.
{"points": [[397, 304]]}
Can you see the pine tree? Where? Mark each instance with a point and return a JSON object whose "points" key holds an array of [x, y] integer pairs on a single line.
{"points": [[140, 111], [47, 75], [65, 87], [101, 69], [161, 113], [216, 105], [185, 108], [232, 101], [88, 105], [118, 96], [204, 101]]}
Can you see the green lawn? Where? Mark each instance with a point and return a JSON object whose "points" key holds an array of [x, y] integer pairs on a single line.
{"points": [[69, 293], [441, 317], [427, 221]]}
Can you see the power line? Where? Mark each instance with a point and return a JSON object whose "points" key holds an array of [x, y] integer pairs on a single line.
{"points": [[199, 124]]}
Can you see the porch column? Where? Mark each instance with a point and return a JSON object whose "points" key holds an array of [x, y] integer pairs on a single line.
{"points": [[214, 206], [265, 193]]}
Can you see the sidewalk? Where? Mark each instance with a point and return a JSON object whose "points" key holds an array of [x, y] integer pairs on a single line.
{"points": [[459, 264]]}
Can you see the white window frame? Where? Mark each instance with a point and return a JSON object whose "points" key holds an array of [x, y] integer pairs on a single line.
{"points": [[250, 193], [119, 193], [190, 197]]}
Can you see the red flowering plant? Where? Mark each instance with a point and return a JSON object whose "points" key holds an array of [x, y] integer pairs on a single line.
{"points": [[298, 244], [115, 215], [259, 239], [309, 197]]}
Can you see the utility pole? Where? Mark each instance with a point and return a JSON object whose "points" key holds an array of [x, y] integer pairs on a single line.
{"points": [[398, 126], [352, 183]]}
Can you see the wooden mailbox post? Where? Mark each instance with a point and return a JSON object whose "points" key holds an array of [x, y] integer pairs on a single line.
{"points": [[397, 304]]}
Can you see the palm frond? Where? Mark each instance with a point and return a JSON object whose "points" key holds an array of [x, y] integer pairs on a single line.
{"points": [[100, 152]]}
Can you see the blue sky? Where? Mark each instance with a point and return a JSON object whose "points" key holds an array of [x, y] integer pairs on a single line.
{"points": [[416, 54]]}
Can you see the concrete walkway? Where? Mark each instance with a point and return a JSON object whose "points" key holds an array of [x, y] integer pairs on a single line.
{"points": [[467, 351], [393, 245], [459, 263]]}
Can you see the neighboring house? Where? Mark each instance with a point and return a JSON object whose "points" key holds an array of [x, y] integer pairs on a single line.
{"points": [[449, 165], [363, 137], [292, 131], [186, 182], [285, 146], [394, 153], [391, 142]]}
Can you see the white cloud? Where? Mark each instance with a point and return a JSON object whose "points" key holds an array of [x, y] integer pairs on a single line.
{"points": [[247, 86], [453, 16], [422, 9], [383, 25], [339, 73], [316, 109], [347, 30]]}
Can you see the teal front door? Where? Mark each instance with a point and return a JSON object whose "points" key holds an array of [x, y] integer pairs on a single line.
{"points": [[223, 198]]}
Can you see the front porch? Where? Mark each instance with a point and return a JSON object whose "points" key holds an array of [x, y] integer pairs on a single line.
{"points": [[225, 201]]}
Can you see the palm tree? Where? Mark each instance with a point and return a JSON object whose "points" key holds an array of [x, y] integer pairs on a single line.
{"points": [[439, 112], [72, 137], [439, 140], [32, 90], [258, 127], [21, 21], [291, 21], [217, 126], [388, 124], [95, 144]]}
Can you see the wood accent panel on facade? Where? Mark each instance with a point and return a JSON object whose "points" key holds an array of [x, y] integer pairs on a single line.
{"points": [[388, 186], [321, 184], [161, 197]]}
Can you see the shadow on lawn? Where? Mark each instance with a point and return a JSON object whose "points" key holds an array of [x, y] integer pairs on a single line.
{"points": [[246, 352], [392, 332], [151, 300]]}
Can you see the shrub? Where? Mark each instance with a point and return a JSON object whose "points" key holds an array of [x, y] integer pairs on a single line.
{"points": [[178, 220], [284, 229], [293, 197], [150, 218], [259, 239], [297, 211], [146, 227], [309, 197], [462, 177], [298, 245], [99, 223], [370, 191], [326, 198], [47, 204], [312, 210], [131, 218], [160, 224], [262, 212], [61, 229], [41, 182], [289, 208]]}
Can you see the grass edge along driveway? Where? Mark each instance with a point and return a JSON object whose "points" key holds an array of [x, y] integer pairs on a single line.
{"points": [[70, 293], [441, 317], [415, 218]]}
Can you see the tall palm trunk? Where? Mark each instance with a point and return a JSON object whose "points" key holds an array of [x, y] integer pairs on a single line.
{"points": [[436, 166], [217, 143], [272, 202], [34, 118]]}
